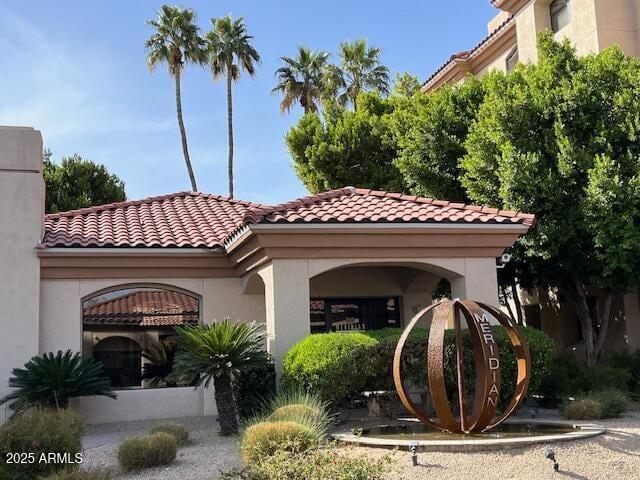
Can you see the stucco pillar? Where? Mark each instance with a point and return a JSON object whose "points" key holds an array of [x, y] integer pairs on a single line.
{"points": [[632, 319], [286, 294], [480, 281], [21, 224], [533, 18]]}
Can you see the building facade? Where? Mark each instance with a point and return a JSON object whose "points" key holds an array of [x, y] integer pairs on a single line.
{"points": [[113, 281], [591, 26]]}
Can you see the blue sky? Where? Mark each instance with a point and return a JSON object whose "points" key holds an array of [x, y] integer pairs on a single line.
{"points": [[76, 71]]}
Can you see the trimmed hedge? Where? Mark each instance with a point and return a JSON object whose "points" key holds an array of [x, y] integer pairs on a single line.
{"points": [[324, 363], [338, 365]]}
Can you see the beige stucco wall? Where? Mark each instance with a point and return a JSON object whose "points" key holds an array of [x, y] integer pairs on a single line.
{"points": [[61, 329], [530, 20], [21, 207]]}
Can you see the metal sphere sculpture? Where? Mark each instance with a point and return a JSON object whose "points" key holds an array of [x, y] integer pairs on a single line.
{"points": [[487, 366]]}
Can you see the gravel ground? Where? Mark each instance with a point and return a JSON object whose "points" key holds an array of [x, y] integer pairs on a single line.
{"points": [[615, 455]]}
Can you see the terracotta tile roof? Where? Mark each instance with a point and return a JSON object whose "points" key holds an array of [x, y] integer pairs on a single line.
{"points": [[184, 219], [355, 205], [200, 220], [469, 53], [147, 308]]}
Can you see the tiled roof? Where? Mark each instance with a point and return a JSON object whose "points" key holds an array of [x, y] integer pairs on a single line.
{"points": [[201, 220], [184, 219], [145, 308], [355, 205], [469, 53]]}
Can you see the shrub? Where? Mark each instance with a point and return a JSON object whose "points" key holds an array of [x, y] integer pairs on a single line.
{"points": [[583, 409], [144, 452], [178, 430], [41, 432], [314, 465], [613, 402], [631, 363], [254, 387], [303, 407], [50, 380], [264, 439], [338, 370], [323, 363], [80, 475]]}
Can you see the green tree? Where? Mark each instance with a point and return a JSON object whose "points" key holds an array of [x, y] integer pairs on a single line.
{"points": [[78, 183], [360, 70], [215, 353], [176, 42], [431, 130], [300, 80], [230, 53], [560, 139], [346, 147]]}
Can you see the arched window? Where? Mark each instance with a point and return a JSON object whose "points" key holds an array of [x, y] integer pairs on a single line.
{"points": [[560, 14], [130, 329], [121, 357]]}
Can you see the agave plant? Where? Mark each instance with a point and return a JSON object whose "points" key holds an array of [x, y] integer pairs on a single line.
{"points": [[51, 380], [160, 357], [214, 353]]}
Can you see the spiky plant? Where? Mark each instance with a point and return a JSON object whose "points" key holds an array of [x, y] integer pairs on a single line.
{"points": [[160, 357], [214, 353], [51, 380]]}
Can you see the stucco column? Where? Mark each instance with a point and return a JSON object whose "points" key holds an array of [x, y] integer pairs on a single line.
{"points": [[533, 18], [286, 295], [21, 223], [480, 281]]}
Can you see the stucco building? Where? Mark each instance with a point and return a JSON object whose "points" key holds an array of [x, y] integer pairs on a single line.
{"points": [[591, 26], [113, 280]]}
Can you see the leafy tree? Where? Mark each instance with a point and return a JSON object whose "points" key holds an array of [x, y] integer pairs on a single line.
{"points": [[51, 380], [300, 80], [360, 70], [353, 148], [560, 139], [78, 183], [176, 42], [230, 53], [406, 84], [216, 352], [431, 130]]}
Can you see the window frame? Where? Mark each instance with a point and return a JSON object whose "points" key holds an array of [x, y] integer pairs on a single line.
{"points": [[557, 10], [362, 301]]}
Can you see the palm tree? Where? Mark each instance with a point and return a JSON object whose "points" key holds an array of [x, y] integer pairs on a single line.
{"points": [[176, 42], [216, 352], [230, 52], [300, 80], [360, 70]]}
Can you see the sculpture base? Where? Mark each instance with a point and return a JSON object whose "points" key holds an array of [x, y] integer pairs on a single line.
{"points": [[514, 433]]}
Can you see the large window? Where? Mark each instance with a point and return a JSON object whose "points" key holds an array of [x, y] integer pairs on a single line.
{"points": [[353, 314], [130, 330], [560, 14]]}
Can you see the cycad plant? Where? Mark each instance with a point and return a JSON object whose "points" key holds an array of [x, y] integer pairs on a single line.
{"points": [[214, 353], [160, 358], [51, 380]]}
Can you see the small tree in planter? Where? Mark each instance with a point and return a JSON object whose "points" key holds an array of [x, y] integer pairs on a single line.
{"points": [[215, 352]]}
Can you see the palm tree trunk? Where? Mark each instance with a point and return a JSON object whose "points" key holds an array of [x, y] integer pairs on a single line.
{"points": [[183, 133], [230, 129], [227, 416]]}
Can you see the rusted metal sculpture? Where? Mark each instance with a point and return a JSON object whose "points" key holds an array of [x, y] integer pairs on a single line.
{"points": [[487, 364]]}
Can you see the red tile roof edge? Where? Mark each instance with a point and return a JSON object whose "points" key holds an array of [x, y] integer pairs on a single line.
{"points": [[469, 53]]}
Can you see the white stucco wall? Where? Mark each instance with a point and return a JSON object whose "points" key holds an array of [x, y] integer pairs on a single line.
{"points": [[21, 209], [61, 329]]}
